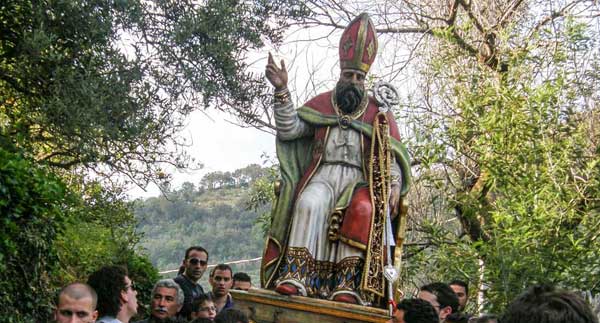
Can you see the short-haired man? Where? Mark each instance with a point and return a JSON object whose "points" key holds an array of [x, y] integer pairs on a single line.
{"points": [[414, 311], [117, 297], [76, 303], [461, 289], [547, 304], [195, 263], [221, 280], [231, 315], [441, 297], [167, 300], [241, 281]]}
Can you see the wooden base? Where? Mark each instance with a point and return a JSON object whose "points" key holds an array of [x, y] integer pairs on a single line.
{"points": [[266, 306]]}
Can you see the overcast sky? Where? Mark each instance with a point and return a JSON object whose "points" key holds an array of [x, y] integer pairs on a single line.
{"points": [[219, 145]]}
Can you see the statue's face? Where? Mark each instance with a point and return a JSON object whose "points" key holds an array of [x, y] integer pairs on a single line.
{"points": [[350, 90], [353, 76]]}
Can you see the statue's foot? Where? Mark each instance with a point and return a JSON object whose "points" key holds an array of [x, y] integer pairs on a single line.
{"points": [[287, 289], [346, 298]]}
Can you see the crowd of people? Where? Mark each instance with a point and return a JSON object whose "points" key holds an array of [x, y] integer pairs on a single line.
{"points": [[110, 296], [446, 303]]}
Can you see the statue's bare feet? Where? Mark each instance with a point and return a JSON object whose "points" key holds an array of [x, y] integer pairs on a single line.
{"points": [[287, 289]]}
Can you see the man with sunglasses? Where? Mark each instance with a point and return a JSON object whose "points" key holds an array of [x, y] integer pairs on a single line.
{"points": [[195, 263], [117, 297]]}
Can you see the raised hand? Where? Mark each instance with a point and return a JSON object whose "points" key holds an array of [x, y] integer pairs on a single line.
{"points": [[277, 76]]}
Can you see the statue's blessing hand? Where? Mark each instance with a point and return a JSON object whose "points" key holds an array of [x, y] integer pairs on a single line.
{"points": [[277, 76]]}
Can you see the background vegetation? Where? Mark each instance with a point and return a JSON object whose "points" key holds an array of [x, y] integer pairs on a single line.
{"points": [[214, 214]]}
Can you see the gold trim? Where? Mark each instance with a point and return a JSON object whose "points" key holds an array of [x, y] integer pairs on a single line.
{"points": [[370, 49], [364, 104], [353, 66], [361, 39], [379, 138], [316, 306], [353, 243]]}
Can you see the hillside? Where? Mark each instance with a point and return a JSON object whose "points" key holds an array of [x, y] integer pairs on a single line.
{"points": [[213, 214]]}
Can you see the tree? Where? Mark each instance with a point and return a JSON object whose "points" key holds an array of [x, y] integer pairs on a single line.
{"points": [[31, 201], [106, 85]]}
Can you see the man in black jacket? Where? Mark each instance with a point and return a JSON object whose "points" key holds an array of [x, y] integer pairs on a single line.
{"points": [[195, 263]]}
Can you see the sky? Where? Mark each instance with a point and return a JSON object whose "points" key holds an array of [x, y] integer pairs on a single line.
{"points": [[219, 145]]}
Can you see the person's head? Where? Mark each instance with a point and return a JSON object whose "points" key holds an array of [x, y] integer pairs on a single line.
{"points": [[241, 281], [414, 311], [202, 320], [167, 299], [442, 297], [457, 317], [203, 307], [461, 289], [116, 292], [195, 262], [231, 315], [76, 302], [547, 304], [357, 51], [221, 280], [486, 318]]}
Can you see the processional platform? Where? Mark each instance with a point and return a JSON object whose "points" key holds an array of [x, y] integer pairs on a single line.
{"points": [[266, 306]]}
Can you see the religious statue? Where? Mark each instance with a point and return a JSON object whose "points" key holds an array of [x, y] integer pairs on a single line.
{"points": [[344, 172]]}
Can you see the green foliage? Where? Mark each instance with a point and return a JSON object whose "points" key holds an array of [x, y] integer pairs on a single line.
{"points": [[106, 84], [512, 157], [100, 231], [216, 218], [261, 197], [31, 204]]}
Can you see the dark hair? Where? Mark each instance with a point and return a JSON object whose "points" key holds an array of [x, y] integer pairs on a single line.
{"points": [[544, 303], [231, 315], [460, 283], [444, 294], [198, 301], [457, 318], [220, 267], [108, 282], [486, 318], [197, 248], [418, 311], [242, 277], [202, 320]]}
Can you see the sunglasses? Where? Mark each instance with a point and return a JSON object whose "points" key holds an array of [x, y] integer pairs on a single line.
{"points": [[195, 261]]}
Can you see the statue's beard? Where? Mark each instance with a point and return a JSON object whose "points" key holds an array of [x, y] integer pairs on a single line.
{"points": [[348, 96]]}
